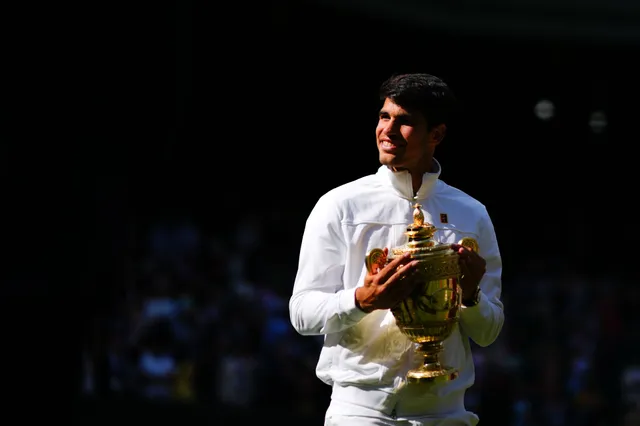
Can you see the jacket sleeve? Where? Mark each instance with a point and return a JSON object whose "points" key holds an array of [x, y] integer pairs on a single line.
{"points": [[483, 322], [320, 303]]}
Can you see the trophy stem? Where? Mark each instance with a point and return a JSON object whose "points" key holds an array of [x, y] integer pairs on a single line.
{"points": [[431, 369]]}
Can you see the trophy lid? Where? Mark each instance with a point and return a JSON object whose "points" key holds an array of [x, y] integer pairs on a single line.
{"points": [[419, 239]]}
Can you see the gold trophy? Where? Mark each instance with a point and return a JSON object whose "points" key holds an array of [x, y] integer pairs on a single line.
{"points": [[430, 313]]}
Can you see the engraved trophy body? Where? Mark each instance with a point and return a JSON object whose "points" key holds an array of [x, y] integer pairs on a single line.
{"points": [[432, 311]]}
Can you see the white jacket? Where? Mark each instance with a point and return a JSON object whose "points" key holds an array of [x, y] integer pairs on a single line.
{"points": [[365, 356]]}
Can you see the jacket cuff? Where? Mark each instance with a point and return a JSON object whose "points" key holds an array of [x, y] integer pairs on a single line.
{"points": [[347, 305], [476, 312]]}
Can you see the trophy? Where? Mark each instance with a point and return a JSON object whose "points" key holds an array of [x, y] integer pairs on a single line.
{"points": [[430, 313]]}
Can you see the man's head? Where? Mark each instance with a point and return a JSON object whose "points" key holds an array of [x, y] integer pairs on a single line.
{"points": [[412, 120]]}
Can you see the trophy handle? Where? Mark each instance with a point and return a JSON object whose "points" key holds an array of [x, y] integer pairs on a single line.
{"points": [[470, 243], [375, 257]]}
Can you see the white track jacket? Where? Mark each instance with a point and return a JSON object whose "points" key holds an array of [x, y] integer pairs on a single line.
{"points": [[365, 356]]}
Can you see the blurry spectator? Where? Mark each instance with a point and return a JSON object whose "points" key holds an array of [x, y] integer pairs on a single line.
{"points": [[159, 301], [631, 388], [157, 361], [208, 323], [236, 382]]}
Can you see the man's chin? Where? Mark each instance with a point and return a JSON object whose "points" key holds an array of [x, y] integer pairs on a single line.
{"points": [[390, 160]]}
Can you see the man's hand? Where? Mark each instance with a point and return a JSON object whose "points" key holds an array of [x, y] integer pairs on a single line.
{"points": [[385, 286], [473, 267]]}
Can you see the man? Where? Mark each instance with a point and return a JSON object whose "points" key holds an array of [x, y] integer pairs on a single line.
{"points": [[365, 356]]}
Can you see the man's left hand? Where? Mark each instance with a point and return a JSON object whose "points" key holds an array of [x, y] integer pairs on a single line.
{"points": [[473, 267]]}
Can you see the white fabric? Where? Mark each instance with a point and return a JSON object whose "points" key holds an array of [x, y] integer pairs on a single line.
{"points": [[362, 417], [366, 353]]}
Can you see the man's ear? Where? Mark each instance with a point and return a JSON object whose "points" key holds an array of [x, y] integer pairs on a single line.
{"points": [[438, 133]]}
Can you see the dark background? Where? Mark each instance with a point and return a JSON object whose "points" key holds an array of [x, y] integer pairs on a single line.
{"points": [[201, 108], [223, 116]]}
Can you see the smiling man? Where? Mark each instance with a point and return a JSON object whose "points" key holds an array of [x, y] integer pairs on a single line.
{"points": [[365, 357]]}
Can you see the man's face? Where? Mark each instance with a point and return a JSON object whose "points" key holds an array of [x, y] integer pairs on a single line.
{"points": [[403, 139]]}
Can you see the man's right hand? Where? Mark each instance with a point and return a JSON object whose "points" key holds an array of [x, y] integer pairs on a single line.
{"points": [[385, 286]]}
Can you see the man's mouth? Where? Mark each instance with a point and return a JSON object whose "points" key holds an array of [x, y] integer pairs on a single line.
{"points": [[388, 146]]}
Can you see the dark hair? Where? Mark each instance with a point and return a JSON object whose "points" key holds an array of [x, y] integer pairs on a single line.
{"points": [[421, 92]]}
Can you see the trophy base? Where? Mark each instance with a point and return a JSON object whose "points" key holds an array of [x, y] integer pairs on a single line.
{"points": [[425, 374], [431, 371]]}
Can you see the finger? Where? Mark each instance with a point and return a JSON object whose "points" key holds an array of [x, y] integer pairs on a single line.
{"points": [[470, 256], [467, 253], [392, 266], [402, 272], [462, 251]]}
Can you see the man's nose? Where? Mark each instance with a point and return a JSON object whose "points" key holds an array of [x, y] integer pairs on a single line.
{"points": [[390, 128]]}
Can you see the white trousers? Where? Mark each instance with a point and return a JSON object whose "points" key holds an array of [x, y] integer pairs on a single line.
{"points": [[345, 414], [341, 420]]}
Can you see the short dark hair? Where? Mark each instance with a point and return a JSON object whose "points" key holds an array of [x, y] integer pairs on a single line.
{"points": [[425, 93]]}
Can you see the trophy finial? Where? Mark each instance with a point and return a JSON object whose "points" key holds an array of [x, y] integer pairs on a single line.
{"points": [[418, 216], [419, 232]]}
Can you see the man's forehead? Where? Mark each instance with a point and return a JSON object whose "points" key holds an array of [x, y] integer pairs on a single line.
{"points": [[392, 108]]}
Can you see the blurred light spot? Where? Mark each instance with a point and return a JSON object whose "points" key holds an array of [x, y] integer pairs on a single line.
{"points": [[545, 109], [598, 121]]}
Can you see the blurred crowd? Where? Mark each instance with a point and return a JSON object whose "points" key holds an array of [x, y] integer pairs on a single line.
{"points": [[205, 322]]}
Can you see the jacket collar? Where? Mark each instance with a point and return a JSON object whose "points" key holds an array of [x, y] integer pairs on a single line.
{"points": [[401, 181]]}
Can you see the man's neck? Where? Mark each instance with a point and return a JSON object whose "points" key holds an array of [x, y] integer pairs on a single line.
{"points": [[416, 182], [416, 176]]}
